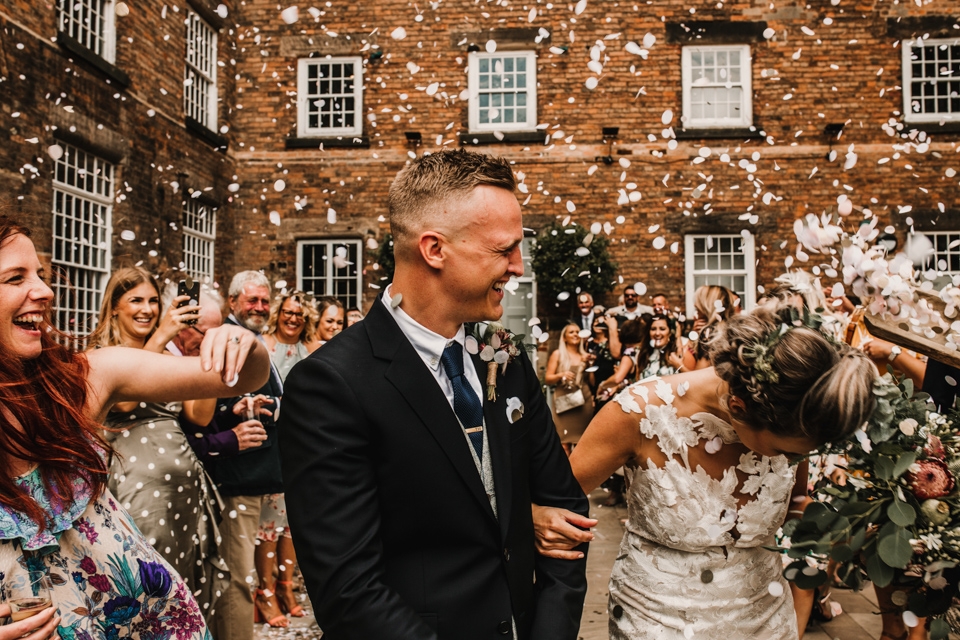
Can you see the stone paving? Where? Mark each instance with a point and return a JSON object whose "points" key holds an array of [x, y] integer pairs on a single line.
{"points": [[859, 621]]}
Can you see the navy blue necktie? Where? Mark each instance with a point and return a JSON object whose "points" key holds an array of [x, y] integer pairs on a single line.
{"points": [[466, 404]]}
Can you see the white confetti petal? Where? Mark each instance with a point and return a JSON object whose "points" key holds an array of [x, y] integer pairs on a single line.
{"points": [[775, 589], [128, 235], [399, 33], [279, 185], [491, 46], [290, 14]]}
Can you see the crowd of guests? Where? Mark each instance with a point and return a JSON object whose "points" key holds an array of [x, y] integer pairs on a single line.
{"points": [[200, 478], [601, 351]]}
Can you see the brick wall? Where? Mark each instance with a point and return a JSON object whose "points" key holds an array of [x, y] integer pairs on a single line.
{"points": [[813, 65]]}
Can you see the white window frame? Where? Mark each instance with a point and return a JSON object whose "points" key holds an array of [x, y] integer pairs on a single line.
{"points": [[82, 208], [748, 247], [908, 114], [530, 123], [952, 240], [200, 71], [199, 239], [746, 84], [329, 277], [304, 130], [76, 17]]}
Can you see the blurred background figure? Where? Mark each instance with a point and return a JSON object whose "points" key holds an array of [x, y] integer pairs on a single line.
{"points": [[631, 307], [584, 315], [712, 305], [154, 472], [660, 354], [330, 312], [354, 316], [572, 400], [290, 332]]}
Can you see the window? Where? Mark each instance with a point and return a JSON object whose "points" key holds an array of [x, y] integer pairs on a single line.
{"points": [[727, 260], [503, 91], [82, 232], [330, 268], [946, 252], [716, 87], [931, 80], [89, 22], [200, 73], [330, 97], [199, 234]]}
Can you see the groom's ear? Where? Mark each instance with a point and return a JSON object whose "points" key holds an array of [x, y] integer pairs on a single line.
{"points": [[431, 248]]}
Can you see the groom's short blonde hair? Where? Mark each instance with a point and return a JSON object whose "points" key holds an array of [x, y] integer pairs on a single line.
{"points": [[422, 188]]}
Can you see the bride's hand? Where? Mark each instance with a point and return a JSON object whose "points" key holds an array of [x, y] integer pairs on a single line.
{"points": [[558, 532], [225, 349]]}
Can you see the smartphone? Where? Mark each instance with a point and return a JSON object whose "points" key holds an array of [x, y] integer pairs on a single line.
{"points": [[191, 288]]}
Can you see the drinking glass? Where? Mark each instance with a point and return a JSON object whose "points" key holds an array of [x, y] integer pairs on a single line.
{"points": [[30, 598]]}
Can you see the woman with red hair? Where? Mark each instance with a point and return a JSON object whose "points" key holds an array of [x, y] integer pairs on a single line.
{"points": [[57, 517]]}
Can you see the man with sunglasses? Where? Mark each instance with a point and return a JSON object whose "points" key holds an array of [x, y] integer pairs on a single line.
{"points": [[631, 307]]}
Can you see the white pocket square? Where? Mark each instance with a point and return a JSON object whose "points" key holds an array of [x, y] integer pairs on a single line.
{"points": [[514, 409]]}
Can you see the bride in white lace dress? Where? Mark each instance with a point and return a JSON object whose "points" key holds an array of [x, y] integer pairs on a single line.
{"points": [[713, 464]]}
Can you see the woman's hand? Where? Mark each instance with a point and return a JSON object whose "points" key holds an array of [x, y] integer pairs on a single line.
{"points": [[558, 531], [39, 627], [224, 349], [675, 360], [173, 322]]}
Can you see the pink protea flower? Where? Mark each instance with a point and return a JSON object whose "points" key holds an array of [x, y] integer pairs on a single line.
{"points": [[934, 447], [932, 479]]}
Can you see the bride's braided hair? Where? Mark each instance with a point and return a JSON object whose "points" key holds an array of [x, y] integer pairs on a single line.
{"points": [[793, 380]]}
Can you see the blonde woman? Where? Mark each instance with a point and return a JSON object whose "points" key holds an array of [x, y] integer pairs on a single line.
{"points": [[572, 400], [290, 333], [154, 472]]}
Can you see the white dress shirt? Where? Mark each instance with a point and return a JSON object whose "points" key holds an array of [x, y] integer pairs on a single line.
{"points": [[429, 345]]}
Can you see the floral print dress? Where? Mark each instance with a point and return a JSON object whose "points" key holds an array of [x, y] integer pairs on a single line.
{"points": [[108, 582]]}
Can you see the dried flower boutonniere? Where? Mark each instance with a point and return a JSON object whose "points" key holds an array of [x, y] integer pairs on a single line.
{"points": [[498, 347]]}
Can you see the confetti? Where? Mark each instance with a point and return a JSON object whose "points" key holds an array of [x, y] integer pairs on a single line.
{"points": [[279, 185], [399, 33], [290, 14]]}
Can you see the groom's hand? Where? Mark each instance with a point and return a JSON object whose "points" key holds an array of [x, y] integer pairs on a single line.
{"points": [[559, 531]]}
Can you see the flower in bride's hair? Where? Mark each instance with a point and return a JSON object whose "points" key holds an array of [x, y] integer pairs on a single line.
{"points": [[930, 479]]}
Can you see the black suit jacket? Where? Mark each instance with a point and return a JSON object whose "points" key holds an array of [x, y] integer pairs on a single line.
{"points": [[394, 533]]}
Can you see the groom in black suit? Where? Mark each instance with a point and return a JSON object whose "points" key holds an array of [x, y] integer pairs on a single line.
{"points": [[408, 491]]}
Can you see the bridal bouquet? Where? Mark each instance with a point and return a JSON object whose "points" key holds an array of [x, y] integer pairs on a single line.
{"points": [[896, 518]]}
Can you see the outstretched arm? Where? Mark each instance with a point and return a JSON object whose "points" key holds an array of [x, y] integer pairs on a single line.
{"points": [[329, 476], [231, 360]]}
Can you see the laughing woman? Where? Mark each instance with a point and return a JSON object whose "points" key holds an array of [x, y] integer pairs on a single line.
{"points": [[57, 516]]}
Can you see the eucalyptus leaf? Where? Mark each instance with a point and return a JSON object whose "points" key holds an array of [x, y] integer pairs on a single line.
{"points": [[880, 573], [857, 539], [904, 462], [841, 553], [884, 467], [901, 513], [939, 629], [895, 550]]}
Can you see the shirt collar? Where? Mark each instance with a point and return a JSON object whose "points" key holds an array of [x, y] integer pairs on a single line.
{"points": [[428, 344]]}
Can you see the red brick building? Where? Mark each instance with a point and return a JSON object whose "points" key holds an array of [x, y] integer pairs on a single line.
{"points": [[695, 134]]}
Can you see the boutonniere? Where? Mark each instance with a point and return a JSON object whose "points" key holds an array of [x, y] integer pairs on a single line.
{"points": [[498, 347]]}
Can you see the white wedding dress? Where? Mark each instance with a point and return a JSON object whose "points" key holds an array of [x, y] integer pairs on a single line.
{"points": [[692, 563]]}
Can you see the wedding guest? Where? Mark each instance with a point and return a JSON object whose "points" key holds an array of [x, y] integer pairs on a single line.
{"points": [[604, 346], [713, 304], [330, 311], [154, 472], [660, 305], [247, 479], [631, 308], [712, 473], [572, 401], [354, 316], [57, 516], [585, 313], [660, 354], [631, 335], [290, 337]]}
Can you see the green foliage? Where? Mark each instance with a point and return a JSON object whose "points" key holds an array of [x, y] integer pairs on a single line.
{"points": [[896, 520], [559, 268], [385, 260]]}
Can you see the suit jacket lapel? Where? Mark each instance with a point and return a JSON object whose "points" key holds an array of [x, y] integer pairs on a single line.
{"points": [[416, 384], [498, 437]]}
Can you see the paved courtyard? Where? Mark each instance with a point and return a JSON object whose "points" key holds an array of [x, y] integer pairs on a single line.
{"points": [[859, 621]]}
